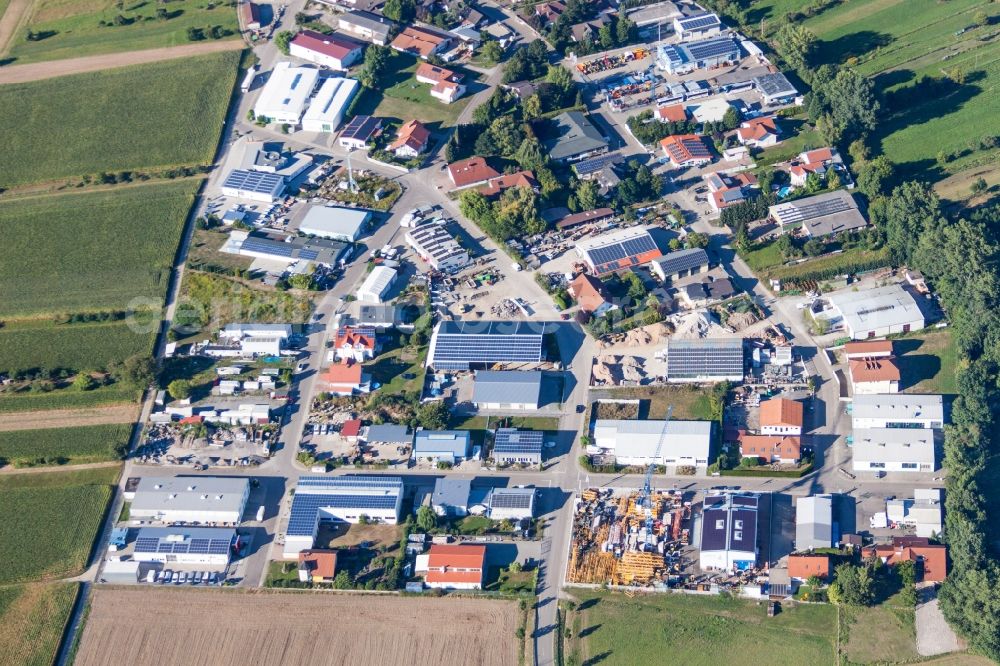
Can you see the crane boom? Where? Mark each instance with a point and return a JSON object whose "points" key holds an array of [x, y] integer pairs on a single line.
{"points": [[645, 495]]}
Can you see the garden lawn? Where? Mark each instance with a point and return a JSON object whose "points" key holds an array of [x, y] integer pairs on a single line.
{"points": [[689, 402], [846, 261], [763, 256], [928, 362], [159, 115], [78, 445], [94, 251], [32, 621], [48, 521], [73, 29], [694, 630], [76, 347], [880, 634]]}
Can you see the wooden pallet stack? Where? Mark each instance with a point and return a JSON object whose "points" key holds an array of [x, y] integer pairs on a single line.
{"points": [[639, 567]]}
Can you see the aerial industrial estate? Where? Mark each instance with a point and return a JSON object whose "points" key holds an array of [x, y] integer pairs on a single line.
{"points": [[556, 321]]}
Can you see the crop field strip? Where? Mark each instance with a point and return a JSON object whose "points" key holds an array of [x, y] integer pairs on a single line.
{"points": [[77, 347], [100, 250], [152, 116], [32, 619], [82, 444], [107, 397], [74, 29], [222, 627], [50, 521]]}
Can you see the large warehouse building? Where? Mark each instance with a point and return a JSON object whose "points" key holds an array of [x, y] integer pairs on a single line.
{"points": [[284, 97], [512, 446], [339, 499], [687, 443], [684, 58], [814, 524], [199, 500], [618, 250], [707, 360], [211, 546], [437, 247], [897, 411], [343, 224], [893, 450], [507, 390], [326, 111], [729, 532], [377, 284], [873, 313], [463, 345]]}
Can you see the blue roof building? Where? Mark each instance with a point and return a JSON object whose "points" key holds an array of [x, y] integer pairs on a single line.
{"points": [[448, 446]]}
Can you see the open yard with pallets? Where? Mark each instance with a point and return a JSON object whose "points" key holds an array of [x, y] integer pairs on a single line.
{"points": [[74, 28], [145, 117], [613, 630], [48, 521], [93, 251], [32, 619], [228, 627], [62, 446]]}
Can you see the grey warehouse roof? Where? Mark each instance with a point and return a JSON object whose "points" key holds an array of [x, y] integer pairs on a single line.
{"points": [[904, 406], [451, 492], [313, 493], [438, 441], [507, 387], [512, 498], [575, 135], [206, 493], [895, 445], [694, 359], [821, 215], [814, 522], [390, 433]]}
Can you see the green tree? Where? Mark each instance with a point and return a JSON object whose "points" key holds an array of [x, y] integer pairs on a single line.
{"points": [[854, 585], [813, 247], [559, 77], [475, 206], [978, 186], [492, 52], [342, 581], [400, 11], [426, 518], [530, 154], [606, 36], [858, 150], [875, 176], [786, 246], [179, 389], [981, 18], [588, 195], [532, 107], [433, 415], [137, 371], [696, 239], [731, 120], [624, 31], [84, 381], [797, 45], [282, 41], [376, 62], [507, 134]]}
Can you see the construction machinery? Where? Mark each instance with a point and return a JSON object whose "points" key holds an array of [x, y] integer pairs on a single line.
{"points": [[645, 494]]}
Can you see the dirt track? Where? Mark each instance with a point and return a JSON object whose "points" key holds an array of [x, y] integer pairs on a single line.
{"points": [[47, 70], [11, 20], [66, 418], [166, 626]]}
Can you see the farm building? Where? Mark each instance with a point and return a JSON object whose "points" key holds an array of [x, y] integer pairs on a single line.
{"points": [[250, 15], [518, 446], [590, 294], [771, 448], [451, 497], [781, 416], [388, 433], [923, 513], [826, 214], [448, 446], [698, 26], [680, 264], [874, 375], [453, 567], [254, 185], [464, 345], [685, 443], [284, 96], [574, 138], [326, 111], [411, 140], [370, 27], [512, 503], [342, 224], [199, 500], [508, 390], [893, 449], [317, 566], [803, 567], [706, 360], [729, 532], [471, 171], [814, 524], [359, 131], [685, 150], [595, 216], [871, 313], [775, 88], [211, 546], [341, 499], [618, 250], [437, 247], [334, 51], [377, 284], [704, 54]]}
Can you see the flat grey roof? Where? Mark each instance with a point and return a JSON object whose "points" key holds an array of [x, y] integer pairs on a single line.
{"points": [[575, 135], [389, 432], [507, 387], [202, 493], [451, 492]]}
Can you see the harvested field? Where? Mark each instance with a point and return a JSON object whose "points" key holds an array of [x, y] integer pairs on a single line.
{"points": [[67, 418], [219, 627]]}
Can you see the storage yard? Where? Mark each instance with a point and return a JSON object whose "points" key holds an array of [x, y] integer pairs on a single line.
{"points": [[167, 626], [611, 543]]}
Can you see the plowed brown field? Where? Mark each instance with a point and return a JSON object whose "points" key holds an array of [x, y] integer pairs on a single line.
{"points": [[188, 627]]}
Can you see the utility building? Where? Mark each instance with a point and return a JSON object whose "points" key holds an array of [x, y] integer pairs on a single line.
{"points": [[202, 500], [729, 532], [507, 390]]}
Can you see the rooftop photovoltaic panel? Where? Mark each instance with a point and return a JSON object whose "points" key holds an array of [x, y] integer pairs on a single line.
{"points": [[195, 546], [697, 148], [807, 211], [683, 260], [252, 244], [458, 344], [253, 181], [302, 520], [711, 49], [775, 84], [510, 500], [518, 441], [595, 164], [359, 481], [691, 359], [360, 127], [698, 22]]}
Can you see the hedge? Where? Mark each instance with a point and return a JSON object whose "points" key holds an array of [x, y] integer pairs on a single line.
{"points": [[862, 264], [751, 471]]}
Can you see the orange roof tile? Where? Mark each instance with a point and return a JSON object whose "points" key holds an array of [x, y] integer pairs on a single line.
{"points": [[351, 428], [818, 156], [868, 348], [804, 566], [781, 412], [874, 370], [673, 113], [353, 338], [455, 564], [471, 171], [413, 134], [418, 41], [588, 291], [342, 373], [321, 563], [768, 446], [497, 185]]}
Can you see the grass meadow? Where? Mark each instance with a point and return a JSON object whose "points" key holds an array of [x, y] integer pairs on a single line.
{"points": [[72, 28], [75, 347], [93, 251], [48, 521], [32, 621], [152, 116], [85, 444]]}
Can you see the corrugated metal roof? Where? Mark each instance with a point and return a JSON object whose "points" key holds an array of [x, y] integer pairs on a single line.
{"points": [[507, 387]]}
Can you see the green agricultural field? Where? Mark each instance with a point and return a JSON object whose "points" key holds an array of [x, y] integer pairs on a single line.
{"points": [[32, 621], [73, 28], [94, 251], [686, 629], [66, 398], [76, 347], [86, 444], [160, 115], [48, 521]]}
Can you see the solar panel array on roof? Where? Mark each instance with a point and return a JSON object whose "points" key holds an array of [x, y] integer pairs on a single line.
{"points": [[196, 545], [595, 164], [254, 244], [457, 345], [253, 181], [514, 498], [509, 440], [800, 212], [698, 22], [683, 260], [608, 258], [714, 48], [696, 147], [775, 84], [360, 127], [694, 359]]}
